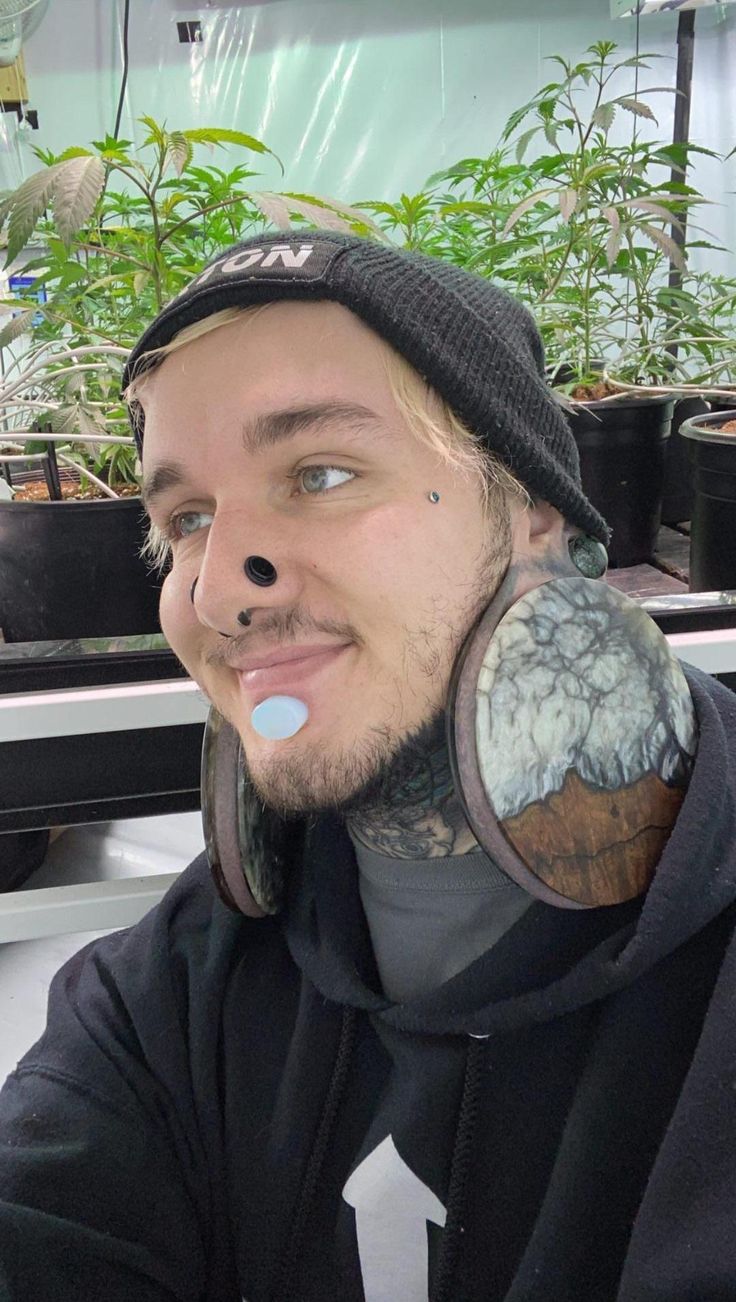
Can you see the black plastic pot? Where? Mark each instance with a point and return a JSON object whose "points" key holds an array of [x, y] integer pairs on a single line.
{"points": [[713, 524], [678, 493], [71, 569], [622, 446]]}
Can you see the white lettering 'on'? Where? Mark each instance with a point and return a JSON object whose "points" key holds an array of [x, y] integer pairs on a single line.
{"points": [[392, 1207], [287, 256], [283, 253]]}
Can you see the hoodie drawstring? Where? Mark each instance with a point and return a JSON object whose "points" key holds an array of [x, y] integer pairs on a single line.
{"points": [[461, 1158], [305, 1200]]}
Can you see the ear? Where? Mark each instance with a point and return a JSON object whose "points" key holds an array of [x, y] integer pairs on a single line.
{"points": [[538, 530]]}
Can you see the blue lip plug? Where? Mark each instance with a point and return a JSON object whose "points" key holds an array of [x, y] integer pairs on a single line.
{"points": [[279, 717]]}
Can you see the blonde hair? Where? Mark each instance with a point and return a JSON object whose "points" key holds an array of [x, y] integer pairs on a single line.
{"points": [[429, 417]]}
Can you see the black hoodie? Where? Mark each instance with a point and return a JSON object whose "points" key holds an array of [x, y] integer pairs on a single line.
{"points": [[223, 1108]]}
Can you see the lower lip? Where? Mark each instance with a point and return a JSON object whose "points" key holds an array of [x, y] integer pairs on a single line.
{"points": [[293, 673]]}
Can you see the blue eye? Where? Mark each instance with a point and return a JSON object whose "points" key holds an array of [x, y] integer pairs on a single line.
{"points": [[318, 476], [175, 527]]}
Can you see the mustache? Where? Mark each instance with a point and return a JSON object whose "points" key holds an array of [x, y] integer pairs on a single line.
{"points": [[282, 628]]}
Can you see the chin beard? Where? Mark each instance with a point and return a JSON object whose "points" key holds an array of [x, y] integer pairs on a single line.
{"points": [[388, 775]]}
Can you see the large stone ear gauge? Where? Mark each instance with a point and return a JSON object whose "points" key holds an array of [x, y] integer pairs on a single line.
{"points": [[569, 790]]}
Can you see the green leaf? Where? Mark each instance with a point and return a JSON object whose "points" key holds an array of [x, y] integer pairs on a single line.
{"points": [[157, 133], [29, 201], [74, 151], [523, 142], [226, 136], [77, 187], [179, 150], [637, 107], [111, 145], [516, 118], [550, 132], [19, 325]]}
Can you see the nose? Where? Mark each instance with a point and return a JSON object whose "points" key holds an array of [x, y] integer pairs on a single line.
{"points": [[245, 570]]}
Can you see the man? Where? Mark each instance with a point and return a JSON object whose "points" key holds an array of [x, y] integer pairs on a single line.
{"points": [[419, 1075]]}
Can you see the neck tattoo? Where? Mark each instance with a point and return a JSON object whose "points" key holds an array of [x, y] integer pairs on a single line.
{"points": [[419, 816]]}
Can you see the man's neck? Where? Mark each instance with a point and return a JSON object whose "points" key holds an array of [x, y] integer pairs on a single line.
{"points": [[422, 820]]}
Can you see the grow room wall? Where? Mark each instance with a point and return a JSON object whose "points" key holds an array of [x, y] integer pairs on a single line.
{"points": [[360, 98]]}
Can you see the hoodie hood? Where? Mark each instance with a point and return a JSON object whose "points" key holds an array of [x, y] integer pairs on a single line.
{"points": [[552, 961]]}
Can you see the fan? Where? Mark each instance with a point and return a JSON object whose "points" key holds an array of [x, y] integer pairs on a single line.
{"points": [[18, 18]]}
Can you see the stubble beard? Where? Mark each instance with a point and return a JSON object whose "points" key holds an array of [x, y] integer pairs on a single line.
{"points": [[386, 770]]}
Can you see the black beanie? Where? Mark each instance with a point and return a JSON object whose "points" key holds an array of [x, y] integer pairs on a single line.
{"points": [[471, 341]]}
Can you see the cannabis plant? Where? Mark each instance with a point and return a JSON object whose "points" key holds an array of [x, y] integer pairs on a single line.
{"points": [[122, 228], [599, 217]]}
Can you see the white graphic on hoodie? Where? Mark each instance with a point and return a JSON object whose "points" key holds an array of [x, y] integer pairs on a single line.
{"points": [[392, 1207]]}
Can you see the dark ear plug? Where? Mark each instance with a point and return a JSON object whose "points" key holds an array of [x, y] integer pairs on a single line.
{"points": [[588, 555]]}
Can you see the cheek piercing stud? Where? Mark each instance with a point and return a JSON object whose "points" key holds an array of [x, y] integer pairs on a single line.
{"points": [[433, 496]]}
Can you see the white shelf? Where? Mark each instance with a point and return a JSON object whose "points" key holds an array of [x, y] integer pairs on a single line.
{"points": [[77, 711]]}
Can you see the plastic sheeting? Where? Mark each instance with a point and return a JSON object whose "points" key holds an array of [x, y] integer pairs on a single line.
{"points": [[361, 99]]}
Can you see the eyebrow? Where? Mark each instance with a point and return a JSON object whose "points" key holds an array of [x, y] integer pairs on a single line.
{"points": [[269, 429]]}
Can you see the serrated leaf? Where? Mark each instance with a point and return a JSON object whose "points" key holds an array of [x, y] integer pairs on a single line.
{"points": [[29, 201], [273, 207], [140, 280], [524, 207], [156, 132], [19, 325], [568, 200], [656, 209], [611, 215], [74, 151], [319, 214], [89, 424], [522, 143], [613, 245], [179, 149], [64, 420], [666, 244], [637, 107], [550, 132], [77, 187], [226, 136], [604, 115]]}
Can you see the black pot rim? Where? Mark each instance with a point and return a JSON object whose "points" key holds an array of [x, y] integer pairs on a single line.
{"points": [[109, 503], [623, 400], [705, 429]]}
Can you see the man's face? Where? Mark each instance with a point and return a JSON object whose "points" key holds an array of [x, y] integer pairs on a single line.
{"points": [[384, 583]]}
